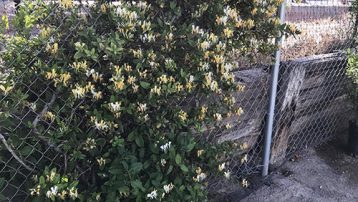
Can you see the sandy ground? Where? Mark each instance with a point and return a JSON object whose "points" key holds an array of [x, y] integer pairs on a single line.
{"points": [[324, 174]]}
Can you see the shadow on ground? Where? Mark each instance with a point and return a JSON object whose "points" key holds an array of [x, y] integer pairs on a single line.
{"points": [[324, 174]]}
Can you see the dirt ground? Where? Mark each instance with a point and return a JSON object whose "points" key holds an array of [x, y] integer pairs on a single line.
{"points": [[323, 174]]}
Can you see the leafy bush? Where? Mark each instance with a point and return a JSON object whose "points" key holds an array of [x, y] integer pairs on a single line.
{"points": [[352, 66], [352, 74], [122, 95]]}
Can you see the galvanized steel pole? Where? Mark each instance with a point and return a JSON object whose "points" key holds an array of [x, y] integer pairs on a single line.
{"points": [[272, 101]]}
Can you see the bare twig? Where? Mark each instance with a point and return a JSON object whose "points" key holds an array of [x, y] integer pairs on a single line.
{"points": [[44, 139], [3, 140], [44, 110], [37, 119]]}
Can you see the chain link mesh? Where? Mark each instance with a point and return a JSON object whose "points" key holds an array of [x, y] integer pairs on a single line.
{"points": [[310, 105]]}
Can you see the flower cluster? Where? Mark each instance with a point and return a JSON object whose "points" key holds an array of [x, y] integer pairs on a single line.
{"points": [[55, 186]]}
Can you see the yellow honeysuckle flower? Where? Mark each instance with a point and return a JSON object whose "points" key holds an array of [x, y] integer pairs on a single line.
{"points": [[189, 86], [249, 23], [143, 74], [163, 79], [79, 91], [104, 8], [127, 67], [5, 20], [66, 3], [271, 10], [199, 152], [89, 87], [54, 49], [183, 116], [179, 87], [79, 66], [6, 90], [219, 59], [131, 80], [228, 32], [119, 85], [238, 24], [51, 75], [117, 70], [244, 146], [64, 78], [49, 116], [254, 11], [156, 90], [97, 76], [97, 95]]}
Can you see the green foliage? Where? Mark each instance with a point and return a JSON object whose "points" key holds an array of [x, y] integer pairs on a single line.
{"points": [[352, 74], [126, 94]]}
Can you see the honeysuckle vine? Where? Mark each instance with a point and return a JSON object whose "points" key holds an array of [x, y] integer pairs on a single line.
{"points": [[125, 94]]}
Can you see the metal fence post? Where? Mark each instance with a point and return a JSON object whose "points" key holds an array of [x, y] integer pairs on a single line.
{"points": [[272, 101]]}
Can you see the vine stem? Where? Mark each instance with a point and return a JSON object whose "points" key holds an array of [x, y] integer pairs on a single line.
{"points": [[36, 121], [3, 140]]}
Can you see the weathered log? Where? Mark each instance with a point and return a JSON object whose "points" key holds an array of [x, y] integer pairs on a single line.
{"points": [[253, 101], [290, 85]]}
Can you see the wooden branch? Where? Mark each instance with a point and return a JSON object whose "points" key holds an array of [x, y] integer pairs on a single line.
{"points": [[44, 139], [3, 140], [44, 110]]}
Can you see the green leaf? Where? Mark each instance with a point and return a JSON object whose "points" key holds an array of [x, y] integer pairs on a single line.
{"points": [[42, 180], [136, 167], [170, 169], [131, 136], [25, 151], [178, 159], [139, 140], [2, 182], [184, 168], [191, 146], [136, 184], [78, 55], [145, 85], [123, 189], [173, 4], [2, 197]]}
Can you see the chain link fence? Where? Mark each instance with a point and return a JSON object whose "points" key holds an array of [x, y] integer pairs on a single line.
{"points": [[311, 103]]}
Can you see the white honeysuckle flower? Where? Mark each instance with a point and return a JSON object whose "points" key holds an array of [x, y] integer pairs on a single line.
{"points": [[167, 188], [73, 193], [227, 174], [101, 125], [90, 72], [201, 177], [115, 107], [166, 146], [228, 67], [52, 192], [141, 107], [153, 194], [222, 167], [163, 162], [245, 183]]}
